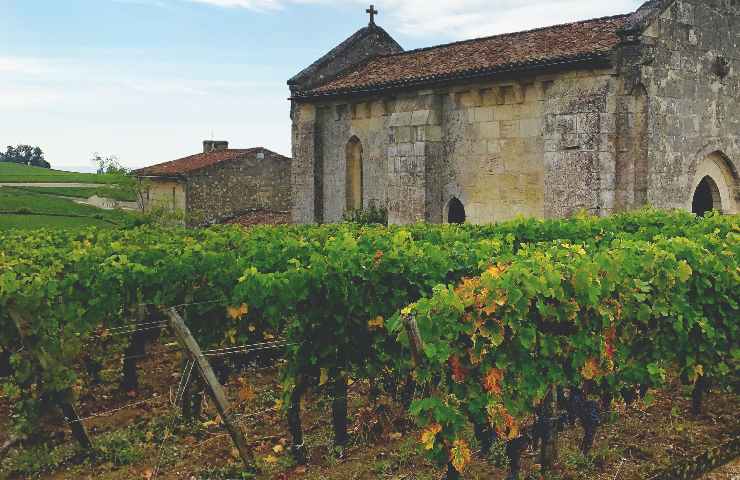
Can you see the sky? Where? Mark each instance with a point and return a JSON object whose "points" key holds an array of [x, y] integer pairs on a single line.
{"points": [[149, 80]]}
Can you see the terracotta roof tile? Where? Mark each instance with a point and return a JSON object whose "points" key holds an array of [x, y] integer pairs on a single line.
{"points": [[589, 39], [196, 162]]}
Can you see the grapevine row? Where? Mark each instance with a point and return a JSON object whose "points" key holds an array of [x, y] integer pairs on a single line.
{"points": [[333, 292]]}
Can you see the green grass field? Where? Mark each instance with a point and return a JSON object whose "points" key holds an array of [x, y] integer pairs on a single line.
{"points": [[14, 173], [27, 210], [122, 195]]}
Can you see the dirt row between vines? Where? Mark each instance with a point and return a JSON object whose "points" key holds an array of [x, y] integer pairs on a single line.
{"points": [[635, 441]]}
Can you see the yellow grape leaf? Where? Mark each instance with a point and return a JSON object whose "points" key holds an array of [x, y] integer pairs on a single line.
{"points": [[684, 271], [246, 393], [506, 425], [492, 381], [279, 404], [460, 455], [429, 434], [324, 377], [495, 271], [698, 372], [271, 459], [591, 369], [235, 313], [490, 309], [513, 431], [278, 449], [209, 423], [407, 311], [376, 323]]}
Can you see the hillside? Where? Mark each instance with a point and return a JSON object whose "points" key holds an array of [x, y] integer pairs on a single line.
{"points": [[14, 173], [27, 210], [26, 207]]}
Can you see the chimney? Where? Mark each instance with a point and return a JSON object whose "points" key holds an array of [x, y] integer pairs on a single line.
{"points": [[214, 145]]}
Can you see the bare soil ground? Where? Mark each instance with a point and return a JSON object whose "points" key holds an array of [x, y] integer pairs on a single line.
{"points": [[728, 472], [146, 439]]}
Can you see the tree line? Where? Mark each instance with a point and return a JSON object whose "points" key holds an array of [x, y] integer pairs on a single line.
{"points": [[25, 155]]}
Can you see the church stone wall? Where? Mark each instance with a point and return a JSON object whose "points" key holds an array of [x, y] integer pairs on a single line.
{"points": [[397, 136], [336, 124], [693, 111], [579, 143], [539, 147], [231, 188]]}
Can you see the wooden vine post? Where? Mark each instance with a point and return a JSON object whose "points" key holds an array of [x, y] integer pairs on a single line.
{"points": [[43, 359], [417, 344], [186, 340], [417, 355]]}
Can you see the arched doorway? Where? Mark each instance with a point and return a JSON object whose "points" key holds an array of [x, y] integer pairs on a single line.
{"points": [[455, 211], [354, 174], [706, 197], [716, 186]]}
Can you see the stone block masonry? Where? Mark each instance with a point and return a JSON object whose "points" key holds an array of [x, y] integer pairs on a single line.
{"points": [[257, 182], [650, 123]]}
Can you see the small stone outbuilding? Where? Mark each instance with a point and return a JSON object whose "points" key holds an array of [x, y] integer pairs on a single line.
{"points": [[221, 184], [602, 115]]}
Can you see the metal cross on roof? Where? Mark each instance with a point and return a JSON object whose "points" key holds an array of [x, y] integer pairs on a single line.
{"points": [[372, 12]]}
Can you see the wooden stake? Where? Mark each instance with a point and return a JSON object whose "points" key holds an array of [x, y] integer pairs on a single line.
{"points": [[417, 344], [68, 410], [185, 338]]}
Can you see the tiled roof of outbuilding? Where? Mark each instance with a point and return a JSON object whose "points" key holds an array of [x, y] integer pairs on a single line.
{"points": [[190, 164], [561, 44]]}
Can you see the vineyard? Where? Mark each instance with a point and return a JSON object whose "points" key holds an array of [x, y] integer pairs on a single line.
{"points": [[489, 338]]}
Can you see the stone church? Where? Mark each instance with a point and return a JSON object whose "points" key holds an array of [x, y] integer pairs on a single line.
{"points": [[602, 115]]}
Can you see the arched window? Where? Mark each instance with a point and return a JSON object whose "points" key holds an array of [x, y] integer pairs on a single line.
{"points": [[455, 211], [354, 174], [706, 197]]}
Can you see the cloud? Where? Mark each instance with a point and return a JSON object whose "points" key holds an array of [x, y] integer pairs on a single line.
{"points": [[459, 18], [23, 66], [251, 4]]}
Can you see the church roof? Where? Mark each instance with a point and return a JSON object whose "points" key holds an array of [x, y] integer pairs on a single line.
{"points": [[559, 45], [311, 71], [193, 163]]}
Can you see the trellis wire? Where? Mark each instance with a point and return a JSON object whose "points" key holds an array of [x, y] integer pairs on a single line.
{"points": [[216, 350], [128, 332], [109, 412], [137, 325], [180, 392], [249, 350]]}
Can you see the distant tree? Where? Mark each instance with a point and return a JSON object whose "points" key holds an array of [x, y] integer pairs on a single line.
{"points": [[110, 164], [25, 155]]}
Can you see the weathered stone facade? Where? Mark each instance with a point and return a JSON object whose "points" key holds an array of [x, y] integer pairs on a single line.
{"points": [[645, 125], [693, 109], [221, 184], [165, 193]]}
